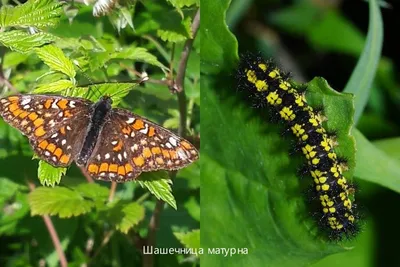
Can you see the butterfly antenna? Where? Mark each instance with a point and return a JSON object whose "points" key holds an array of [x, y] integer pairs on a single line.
{"points": [[144, 77], [91, 82]]}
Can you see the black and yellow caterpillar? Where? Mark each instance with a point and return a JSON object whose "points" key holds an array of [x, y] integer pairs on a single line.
{"points": [[266, 83]]}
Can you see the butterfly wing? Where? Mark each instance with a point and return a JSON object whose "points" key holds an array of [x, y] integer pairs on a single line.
{"points": [[129, 145], [55, 125]]}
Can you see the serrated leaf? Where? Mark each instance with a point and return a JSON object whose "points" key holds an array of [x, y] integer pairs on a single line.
{"points": [[139, 54], [36, 13], [54, 87], [59, 201], [159, 184], [125, 216], [93, 191], [115, 90], [184, 3], [189, 239], [54, 57], [176, 34], [23, 42], [49, 175]]}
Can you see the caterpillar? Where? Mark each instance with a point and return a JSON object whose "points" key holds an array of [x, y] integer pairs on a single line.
{"points": [[264, 82]]}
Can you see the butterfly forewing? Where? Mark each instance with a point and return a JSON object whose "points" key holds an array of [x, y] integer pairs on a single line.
{"points": [[130, 144], [52, 124]]}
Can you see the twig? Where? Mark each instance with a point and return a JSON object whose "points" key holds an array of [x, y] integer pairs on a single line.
{"points": [[105, 241], [138, 74], [3, 79], [180, 76], [87, 176], [53, 234], [148, 259], [112, 191]]}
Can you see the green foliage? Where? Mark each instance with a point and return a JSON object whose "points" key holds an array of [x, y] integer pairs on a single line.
{"points": [[190, 239], [48, 175], [53, 57], [88, 57], [60, 201]]}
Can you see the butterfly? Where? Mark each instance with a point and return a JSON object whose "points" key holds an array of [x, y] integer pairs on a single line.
{"points": [[112, 144]]}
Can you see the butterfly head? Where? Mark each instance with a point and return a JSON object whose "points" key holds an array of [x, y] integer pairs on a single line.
{"points": [[106, 101]]}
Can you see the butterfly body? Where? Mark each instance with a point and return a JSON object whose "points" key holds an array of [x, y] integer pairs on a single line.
{"points": [[100, 113], [112, 144]]}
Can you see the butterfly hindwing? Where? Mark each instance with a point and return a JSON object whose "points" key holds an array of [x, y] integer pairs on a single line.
{"points": [[50, 122], [137, 145]]}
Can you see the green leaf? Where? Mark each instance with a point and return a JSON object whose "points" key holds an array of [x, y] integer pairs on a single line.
{"points": [[391, 146], [218, 45], [115, 90], [184, 3], [363, 75], [93, 191], [125, 216], [376, 166], [159, 184], [54, 57], [59, 201], [139, 54], [49, 175], [189, 239], [246, 160], [36, 13], [54, 87], [23, 42]]}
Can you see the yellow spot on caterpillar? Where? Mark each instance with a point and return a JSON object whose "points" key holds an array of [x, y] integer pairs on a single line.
{"points": [[274, 74], [251, 76], [274, 99], [287, 114], [261, 85], [263, 67]]}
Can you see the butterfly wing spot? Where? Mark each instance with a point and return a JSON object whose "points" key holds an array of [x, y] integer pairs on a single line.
{"points": [[146, 152], [93, 168], [33, 116], [155, 150], [151, 132], [138, 125], [130, 120], [139, 161], [48, 103], [62, 104], [118, 146], [103, 167], [121, 170], [38, 122], [65, 159], [172, 141], [40, 131]]}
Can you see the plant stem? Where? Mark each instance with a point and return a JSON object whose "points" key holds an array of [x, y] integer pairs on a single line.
{"points": [[53, 234]]}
